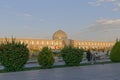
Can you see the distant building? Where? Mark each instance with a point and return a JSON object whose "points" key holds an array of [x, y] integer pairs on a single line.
{"points": [[59, 40]]}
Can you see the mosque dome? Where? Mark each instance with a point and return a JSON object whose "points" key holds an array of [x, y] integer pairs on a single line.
{"points": [[59, 35]]}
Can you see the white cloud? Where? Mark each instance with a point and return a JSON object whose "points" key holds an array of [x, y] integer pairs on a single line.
{"points": [[94, 3], [116, 3], [27, 14], [101, 30], [105, 25], [117, 8], [100, 2], [42, 20]]}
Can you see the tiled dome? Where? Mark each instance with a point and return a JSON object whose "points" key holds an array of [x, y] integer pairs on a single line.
{"points": [[59, 35]]}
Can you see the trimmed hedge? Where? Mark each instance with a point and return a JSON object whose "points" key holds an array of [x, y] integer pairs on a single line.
{"points": [[72, 56], [13, 55], [115, 52], [45, 58]]}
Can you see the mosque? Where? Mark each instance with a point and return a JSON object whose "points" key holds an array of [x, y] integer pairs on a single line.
{"points": [[59, 40]]}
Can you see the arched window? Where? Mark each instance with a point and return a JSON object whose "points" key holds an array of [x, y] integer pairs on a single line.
{"points": [[21, 41], [32, 42], [42, 42], [56, 43], [52, 42], [37, 43], [47, 43], [95, 43]]}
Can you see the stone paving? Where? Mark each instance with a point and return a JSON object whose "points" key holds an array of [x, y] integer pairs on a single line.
{"points": [[91, 72]]}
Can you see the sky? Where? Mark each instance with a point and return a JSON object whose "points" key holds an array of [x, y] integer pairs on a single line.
{"points": [[89, 20]]}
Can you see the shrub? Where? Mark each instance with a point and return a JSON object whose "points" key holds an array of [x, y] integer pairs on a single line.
{"points": [[45, 58], [115, 52], [13, 55], [72, 56]]}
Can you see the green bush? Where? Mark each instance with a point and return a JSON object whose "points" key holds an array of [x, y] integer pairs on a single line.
{"points": [[45, 58], [72, 56], [13, 55], [115, 52]]}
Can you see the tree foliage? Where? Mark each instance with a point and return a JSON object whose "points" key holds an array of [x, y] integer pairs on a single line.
{"points": [[72, 56], [115, 52], [13, 55], [45, 58]]}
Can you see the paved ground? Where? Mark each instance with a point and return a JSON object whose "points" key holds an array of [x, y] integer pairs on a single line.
{"points": [[93, 72]]}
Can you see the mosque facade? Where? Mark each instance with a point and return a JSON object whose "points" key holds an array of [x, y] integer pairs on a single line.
{"points": [[60, 40]]}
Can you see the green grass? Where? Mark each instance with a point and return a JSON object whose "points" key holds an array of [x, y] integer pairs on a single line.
{"points": [[61, 66]]}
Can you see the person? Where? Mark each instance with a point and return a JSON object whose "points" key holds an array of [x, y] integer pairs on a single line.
{"points": [[88, 55], [94, 55]]}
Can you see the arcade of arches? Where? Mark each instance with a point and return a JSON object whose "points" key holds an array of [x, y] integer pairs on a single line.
{"points": [[60, 39]]}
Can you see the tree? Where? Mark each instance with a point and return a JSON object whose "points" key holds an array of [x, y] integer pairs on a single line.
{"points": [[13, 55], [115, 52], [45, 58], [72, 56]]}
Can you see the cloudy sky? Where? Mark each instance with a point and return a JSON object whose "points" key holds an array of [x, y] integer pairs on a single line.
{"points": [[96, 20]]}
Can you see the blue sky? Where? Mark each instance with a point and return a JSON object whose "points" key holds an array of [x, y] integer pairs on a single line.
{"points": [[96, 20]]}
